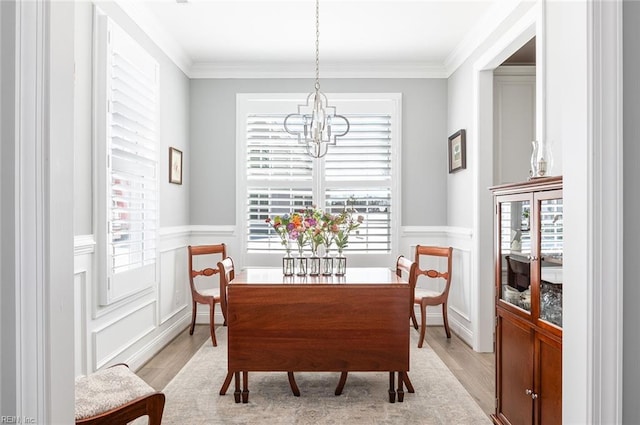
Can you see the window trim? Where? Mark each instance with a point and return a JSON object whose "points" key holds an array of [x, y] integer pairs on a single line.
{"points": [[248, 102]]}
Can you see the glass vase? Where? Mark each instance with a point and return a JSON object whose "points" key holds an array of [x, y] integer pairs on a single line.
{"points": [[541, 159], [314, 263], [301, 264], [341, 264], [326, 264], [287, 264]]}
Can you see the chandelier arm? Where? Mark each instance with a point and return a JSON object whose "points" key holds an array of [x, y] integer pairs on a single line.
{"points": [[346, 121]]}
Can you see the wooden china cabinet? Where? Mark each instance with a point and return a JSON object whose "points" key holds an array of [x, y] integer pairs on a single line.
{"points": [[528, 302]]}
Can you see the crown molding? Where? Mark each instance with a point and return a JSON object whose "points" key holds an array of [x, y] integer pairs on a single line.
{"points": [[477, 35], [329, 70], [486, 25], [150, 26]]}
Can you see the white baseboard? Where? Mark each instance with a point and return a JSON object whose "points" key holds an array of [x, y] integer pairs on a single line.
{"points": [[460, 328], [138, 359], [202, 318], [463, 332]]}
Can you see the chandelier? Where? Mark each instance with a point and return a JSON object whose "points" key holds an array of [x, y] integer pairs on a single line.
{"points": [[316, 124]]}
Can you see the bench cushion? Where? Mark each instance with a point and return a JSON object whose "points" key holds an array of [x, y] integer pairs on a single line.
{"points": [[108, 389]]}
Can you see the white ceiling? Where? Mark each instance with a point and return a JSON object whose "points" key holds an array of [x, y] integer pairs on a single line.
{"points": [[218, 36]]}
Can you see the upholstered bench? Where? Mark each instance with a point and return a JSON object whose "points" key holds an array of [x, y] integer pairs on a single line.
{"points": [[116, 395]]}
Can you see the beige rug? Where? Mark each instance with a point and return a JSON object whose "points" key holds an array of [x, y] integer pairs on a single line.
{"points": [[192, 396]]}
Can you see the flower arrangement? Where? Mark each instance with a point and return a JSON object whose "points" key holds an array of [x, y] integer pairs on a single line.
{"points": [[314, 227], [314, 222], [330, 229], [280, 225], [347, 225], [298, 230]]}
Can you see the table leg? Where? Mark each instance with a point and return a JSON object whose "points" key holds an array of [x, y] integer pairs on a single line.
{"points": [[341, 382], [227, 382], [236, 393], [245, 385], [408, 383], [392, 392], [293, 384], [400, 386]]}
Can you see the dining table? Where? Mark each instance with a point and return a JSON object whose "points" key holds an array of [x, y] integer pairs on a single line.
{"points": [[358, 322]]}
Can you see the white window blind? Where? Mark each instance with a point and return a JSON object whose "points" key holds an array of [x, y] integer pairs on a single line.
{"points": [[130, 148], [359, 168], [281, 177]]}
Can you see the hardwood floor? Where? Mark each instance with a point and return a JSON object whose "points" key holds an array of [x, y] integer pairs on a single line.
{"points": [[473, 370], [161, 369]]}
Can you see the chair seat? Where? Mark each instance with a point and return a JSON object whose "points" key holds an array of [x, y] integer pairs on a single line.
{"points": [[426, 293], [212, 292], [108, 389]]}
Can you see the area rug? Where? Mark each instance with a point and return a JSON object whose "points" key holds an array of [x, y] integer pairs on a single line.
{"points": [[192, 397]]}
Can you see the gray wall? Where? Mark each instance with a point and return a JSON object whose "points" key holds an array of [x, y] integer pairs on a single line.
{"points": [[424, 145], [173, 131], [631, 136]]}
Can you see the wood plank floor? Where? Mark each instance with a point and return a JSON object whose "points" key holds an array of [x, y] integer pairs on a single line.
{"points": [[475, 371]]}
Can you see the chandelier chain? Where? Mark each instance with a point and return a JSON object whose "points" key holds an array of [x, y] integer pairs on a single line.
{"points": [[317, 45], [316, 123]]}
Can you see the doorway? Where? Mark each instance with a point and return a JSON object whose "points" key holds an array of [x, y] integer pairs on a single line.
{"points": [[485, 165]]}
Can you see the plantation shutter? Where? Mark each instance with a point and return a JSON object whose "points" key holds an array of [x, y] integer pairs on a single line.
{"points": [[281, 178], [358, 168], [131, 128]]}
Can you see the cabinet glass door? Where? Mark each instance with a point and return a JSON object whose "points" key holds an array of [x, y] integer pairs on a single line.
{"points": [[515, 247], [551, 249]]}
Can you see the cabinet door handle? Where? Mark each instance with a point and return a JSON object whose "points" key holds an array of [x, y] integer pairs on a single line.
{"points": [[531, 393], [532, 258]]}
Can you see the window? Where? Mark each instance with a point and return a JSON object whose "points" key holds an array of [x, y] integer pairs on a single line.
{"points": [[126, 138], [276, 176]]}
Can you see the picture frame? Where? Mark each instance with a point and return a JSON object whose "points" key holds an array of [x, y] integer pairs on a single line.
{"points": [[457, 151], [175, 166]]}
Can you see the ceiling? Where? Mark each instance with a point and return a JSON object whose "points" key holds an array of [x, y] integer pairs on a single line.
{"points": [[214, 36]]}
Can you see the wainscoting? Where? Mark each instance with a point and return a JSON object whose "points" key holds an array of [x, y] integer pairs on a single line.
{"points": [[134, 329]]}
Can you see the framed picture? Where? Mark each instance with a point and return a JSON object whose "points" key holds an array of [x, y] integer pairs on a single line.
{"points": [[175, 166], [457, 151]]}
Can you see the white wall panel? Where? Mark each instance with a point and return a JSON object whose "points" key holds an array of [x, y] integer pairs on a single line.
{"points": [[173, 292], [115, 337], [84, 248], [130, 330]]}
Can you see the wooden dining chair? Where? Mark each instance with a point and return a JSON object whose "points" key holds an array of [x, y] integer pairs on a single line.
{"points": [[427, 297], [226, 272], [408, 270], [206, 296], [116, 396]]}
